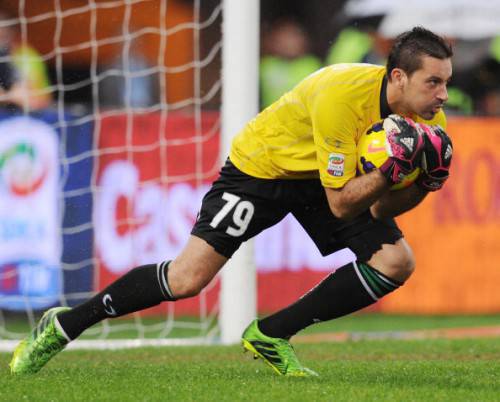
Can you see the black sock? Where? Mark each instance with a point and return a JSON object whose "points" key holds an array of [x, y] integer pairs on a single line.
{"points": [[348, 289], [140, 288]]}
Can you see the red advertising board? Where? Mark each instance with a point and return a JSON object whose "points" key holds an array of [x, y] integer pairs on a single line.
{"points": [[153, 171], [455, 233]]}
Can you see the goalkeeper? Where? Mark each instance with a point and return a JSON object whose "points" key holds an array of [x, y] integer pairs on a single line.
{"points": [[299, 156]]}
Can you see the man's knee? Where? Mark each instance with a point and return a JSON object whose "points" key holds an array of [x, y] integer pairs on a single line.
{"points": [[193, 268], [405, 265], [186, 282], [396, 261], [187, 288]]}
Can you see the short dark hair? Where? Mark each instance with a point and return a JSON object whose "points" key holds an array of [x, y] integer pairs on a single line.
{"points": [[409, 46]]}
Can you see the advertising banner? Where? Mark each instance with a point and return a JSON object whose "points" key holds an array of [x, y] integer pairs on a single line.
{"points": [[455, 233], [150, 186], [151, 174], [30, 238], [45, 208], [149, 178]]}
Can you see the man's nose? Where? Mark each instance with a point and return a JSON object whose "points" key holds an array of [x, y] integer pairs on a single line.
{"points": [[442, 95]]}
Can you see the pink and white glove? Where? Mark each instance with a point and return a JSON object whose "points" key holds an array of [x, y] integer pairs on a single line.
{"points": [[405, 143], [436, 158]]}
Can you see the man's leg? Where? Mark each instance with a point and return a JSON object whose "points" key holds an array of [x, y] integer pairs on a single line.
{"points": [[384, 262], [140, 288], [147, 286], [233, 195], [349, 289]]}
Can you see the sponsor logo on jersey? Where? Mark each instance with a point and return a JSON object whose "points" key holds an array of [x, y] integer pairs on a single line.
{"points": [[335, 164]]}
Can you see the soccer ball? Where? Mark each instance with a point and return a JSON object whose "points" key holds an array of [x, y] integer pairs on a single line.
{"points": [[372, 153]]}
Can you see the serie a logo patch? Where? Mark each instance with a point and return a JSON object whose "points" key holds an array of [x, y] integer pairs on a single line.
{"points": [[335, 164]]}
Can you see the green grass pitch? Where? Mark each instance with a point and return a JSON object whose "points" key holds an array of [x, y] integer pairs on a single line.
{"points": [[365, 370]]}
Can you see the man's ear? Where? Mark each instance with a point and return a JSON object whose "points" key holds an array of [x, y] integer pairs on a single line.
{"points": [[398, 77]]}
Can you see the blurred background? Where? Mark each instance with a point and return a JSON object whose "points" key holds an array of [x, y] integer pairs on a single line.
{"points": [[109, 137], [296, 38]]}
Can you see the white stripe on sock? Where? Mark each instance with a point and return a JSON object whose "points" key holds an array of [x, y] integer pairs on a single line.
{"points": [[362, 280], [60, 329], [162, 277], [158, 276], [387, 280]]}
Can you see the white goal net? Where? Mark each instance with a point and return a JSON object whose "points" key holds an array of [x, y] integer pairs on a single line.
{"points": [[110, 174]]}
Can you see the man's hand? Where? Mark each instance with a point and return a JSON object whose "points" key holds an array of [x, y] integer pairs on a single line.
{"points": [[436, 158], [404, 145]]}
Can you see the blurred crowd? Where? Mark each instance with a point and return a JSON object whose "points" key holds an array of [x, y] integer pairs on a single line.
{"points": [[286, 59], [288, 54], [24, 80]]}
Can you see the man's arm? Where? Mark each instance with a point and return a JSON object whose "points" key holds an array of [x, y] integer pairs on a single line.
{"points": [[357, 195], [371, 191], [404, 145], [394, 203]]}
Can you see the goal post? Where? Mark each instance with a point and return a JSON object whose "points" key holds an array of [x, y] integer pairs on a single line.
{"points": [[240, 100]]}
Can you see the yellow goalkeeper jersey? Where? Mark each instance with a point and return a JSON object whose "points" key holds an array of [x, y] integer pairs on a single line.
{"points": [[312, 131]]}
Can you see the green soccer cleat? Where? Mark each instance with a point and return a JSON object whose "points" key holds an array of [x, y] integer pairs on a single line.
{"points": [[276, 352], [44, 342]]}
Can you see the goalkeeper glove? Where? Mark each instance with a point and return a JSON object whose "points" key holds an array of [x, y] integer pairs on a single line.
{"points": [[404, 144], [436, 158]]}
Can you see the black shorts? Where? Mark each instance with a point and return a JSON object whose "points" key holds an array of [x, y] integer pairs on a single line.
{"points": [[239, 206]]}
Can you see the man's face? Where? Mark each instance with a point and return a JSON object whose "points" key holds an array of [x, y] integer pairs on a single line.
{"points": [[424, 92]]}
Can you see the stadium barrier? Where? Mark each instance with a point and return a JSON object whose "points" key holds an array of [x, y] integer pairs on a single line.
{"points": [[143, 211], [455, 233]]}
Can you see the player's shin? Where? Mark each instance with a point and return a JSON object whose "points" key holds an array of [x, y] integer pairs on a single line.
{"points": [[142, 287], [348, 289]]}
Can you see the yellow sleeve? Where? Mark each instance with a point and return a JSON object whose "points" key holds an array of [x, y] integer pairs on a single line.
{"points": [[334, 130]]}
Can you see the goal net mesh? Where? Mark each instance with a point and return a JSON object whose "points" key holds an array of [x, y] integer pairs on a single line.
{"points": [[121, 156]]}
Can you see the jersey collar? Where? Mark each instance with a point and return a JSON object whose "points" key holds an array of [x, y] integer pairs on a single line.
{"points": [[385, 110]]}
